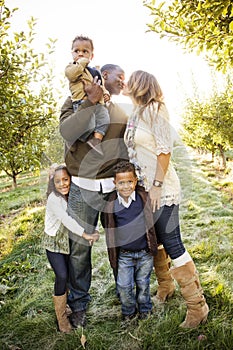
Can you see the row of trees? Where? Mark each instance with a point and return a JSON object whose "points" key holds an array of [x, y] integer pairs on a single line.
{"points": [[28, 106], [205, 27], [208, 125]]}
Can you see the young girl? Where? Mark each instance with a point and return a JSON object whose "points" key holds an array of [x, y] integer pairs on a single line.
{"points": [[148, 139], [57, 226]]}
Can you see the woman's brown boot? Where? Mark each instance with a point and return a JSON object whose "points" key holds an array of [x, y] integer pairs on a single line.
{"points": [[166, 285], [197, 308], [60, 309]]}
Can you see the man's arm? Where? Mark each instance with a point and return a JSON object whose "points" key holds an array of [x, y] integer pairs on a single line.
{"points": [[74, 124]]}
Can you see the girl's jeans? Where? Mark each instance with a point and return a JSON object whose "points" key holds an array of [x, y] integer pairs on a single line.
{"points": [[168, 230], [59, 264], [133, 281]]}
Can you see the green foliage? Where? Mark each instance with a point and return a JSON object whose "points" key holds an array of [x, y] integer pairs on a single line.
{"points": [[207, 125], [203, 26], [28, 108], [54, 150], [11, 272]]}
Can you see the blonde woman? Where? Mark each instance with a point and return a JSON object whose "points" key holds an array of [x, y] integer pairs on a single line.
{"points": [[149, 143]]}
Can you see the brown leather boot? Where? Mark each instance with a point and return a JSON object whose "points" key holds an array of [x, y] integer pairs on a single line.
{"points": [[60, 309], [197, 308], [166, 285]]}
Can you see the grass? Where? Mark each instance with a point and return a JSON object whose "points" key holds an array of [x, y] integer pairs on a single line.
{"points": [[27, 319]]}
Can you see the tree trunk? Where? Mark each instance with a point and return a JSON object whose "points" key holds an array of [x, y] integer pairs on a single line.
{"points": [[223, 156], [14, 181], [212, 155]]}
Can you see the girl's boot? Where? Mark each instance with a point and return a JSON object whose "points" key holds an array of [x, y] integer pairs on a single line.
{"points": [[166, 286], [197, 308], [60, 309]]}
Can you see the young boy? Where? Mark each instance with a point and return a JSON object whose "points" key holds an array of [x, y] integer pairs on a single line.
{"points": [[80, 74], [131, 241]]}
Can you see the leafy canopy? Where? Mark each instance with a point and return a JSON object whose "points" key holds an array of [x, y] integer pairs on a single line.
{"points": [[28, 106], [203, 26], [207, 125]]}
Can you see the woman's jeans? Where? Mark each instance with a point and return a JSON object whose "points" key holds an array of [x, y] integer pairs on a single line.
{"points": [[84, 206], [133, 281], [167, 229], [59, 264]]}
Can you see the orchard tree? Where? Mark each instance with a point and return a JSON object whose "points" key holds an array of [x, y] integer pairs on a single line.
{"points": [[28, 107], [202, 26], [207, 125]]}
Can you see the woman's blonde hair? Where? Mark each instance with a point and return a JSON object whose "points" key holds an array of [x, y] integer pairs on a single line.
{"points": [[144, 89]]}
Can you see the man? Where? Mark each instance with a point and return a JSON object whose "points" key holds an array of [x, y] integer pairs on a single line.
{"points": [[92, 178]]}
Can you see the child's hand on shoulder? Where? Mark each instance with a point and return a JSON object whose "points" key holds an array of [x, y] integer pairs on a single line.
{"points": [[106, 97]]}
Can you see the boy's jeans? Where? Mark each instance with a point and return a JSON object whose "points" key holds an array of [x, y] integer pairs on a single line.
{"points": [[134, 268]]}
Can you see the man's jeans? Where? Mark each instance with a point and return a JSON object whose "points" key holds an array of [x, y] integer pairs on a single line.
{"points": [[134, 268], [167, 229], [84, 206]]}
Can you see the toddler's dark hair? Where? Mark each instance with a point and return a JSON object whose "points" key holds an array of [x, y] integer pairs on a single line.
{"points": [[83, 38]]}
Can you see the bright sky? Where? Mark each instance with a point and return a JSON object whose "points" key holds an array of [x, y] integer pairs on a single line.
{"points": [[118, 30]]}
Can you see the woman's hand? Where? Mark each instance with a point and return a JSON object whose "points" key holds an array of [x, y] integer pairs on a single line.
{"points": [[155, 197]]}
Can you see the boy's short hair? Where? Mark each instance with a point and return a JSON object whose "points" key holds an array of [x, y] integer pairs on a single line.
{"points": [[124, 167]]}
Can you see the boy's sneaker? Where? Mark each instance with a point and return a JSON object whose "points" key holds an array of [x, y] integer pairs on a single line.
{"points": [[78, 318], [95, 144]]}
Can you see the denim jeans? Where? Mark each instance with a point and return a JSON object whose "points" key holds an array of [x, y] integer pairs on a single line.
{"points": [[133, 281], [167, 229], [59, 264], [84, 206]]}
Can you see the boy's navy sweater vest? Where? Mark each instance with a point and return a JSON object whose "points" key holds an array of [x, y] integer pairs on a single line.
{"points": [[130, 225]]}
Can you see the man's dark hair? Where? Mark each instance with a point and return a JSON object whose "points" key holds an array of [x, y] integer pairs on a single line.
{"points": [[124, 167], [109, 67]]}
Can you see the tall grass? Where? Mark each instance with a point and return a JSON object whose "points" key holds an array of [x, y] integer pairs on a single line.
{"points": [[27, 318]]}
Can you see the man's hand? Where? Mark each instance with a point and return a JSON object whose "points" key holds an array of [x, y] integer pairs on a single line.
{"points": [[94, 91]]}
